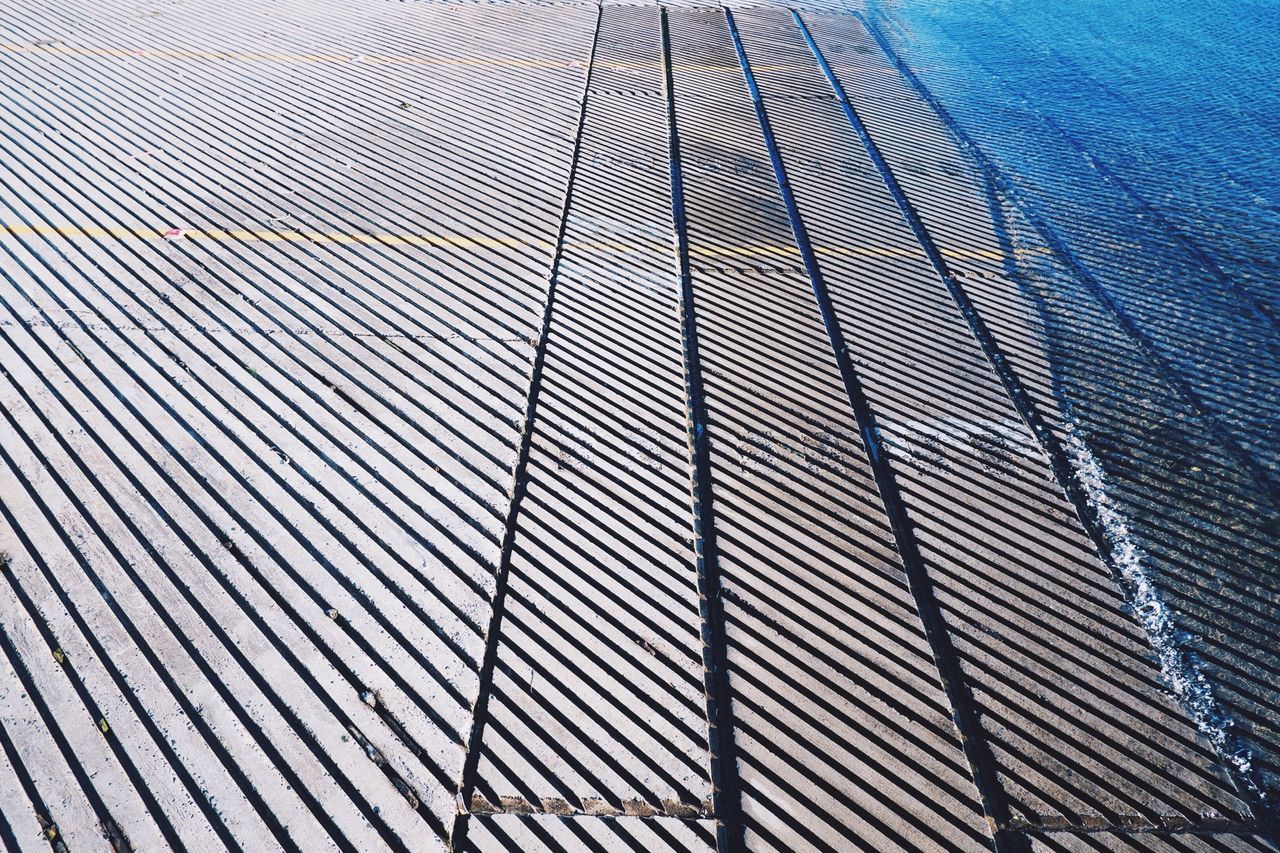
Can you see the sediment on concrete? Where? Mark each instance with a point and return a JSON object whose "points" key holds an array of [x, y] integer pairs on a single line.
{"points": [[560, 427]]}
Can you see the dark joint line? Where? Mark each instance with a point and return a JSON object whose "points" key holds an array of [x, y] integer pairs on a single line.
{"points": [[1248, 782], [976, 750], [471, 762], [1268, 483], [726, 790]]}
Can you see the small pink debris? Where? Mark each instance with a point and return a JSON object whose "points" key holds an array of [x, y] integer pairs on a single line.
{"points": [[174, 234], [139, 52]]}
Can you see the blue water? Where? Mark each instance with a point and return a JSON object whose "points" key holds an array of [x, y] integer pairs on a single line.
{"points": [[1138, 142], [1147, 134]]}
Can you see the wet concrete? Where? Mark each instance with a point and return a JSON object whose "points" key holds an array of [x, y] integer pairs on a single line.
{"points": [[515, 427]]}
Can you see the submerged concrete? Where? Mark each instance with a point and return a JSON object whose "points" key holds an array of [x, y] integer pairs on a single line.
{"points": [[552, 427]]}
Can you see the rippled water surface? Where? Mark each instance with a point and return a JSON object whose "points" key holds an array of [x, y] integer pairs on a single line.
{"points": [[1147, 136], [1133, 148]]}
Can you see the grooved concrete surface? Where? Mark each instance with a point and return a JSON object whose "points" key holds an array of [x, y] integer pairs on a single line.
{"points": [[544, 427]]}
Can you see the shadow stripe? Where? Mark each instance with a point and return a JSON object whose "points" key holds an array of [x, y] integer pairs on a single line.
{"points": [[623, 525], [797, 374]]}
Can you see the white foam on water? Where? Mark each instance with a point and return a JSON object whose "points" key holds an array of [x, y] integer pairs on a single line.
{"points": [[1181, 674]]}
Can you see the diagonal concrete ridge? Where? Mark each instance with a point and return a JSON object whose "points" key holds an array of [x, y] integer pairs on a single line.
{"points": [[568, 426]]}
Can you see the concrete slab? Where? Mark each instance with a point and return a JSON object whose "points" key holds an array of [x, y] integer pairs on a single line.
{"points": [[1110, 398], [516, 427]]}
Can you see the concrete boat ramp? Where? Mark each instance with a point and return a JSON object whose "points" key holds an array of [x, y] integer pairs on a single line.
{"points": [[544, 427]]}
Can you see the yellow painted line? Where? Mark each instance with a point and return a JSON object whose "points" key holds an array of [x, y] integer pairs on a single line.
{"points": [[237, 235], [295, 236], [367, 59], [841, 251], [154, 53], [700, 251]]}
